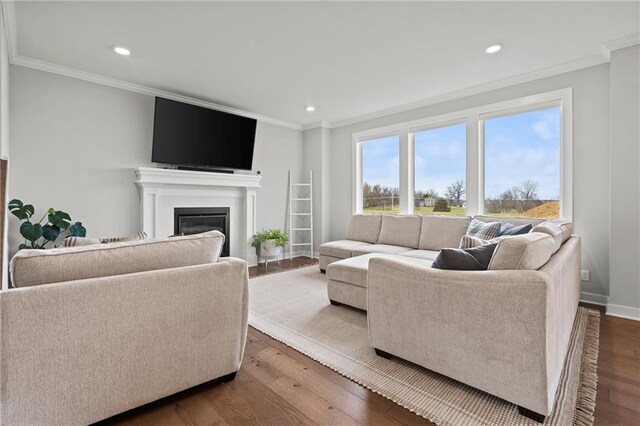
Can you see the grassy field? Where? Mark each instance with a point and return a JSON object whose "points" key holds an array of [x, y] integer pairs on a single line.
{"points": [[542, 212], [455, 211]]}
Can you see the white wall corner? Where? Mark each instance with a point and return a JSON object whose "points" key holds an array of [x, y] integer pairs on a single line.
{"points": [[627, 312], [594, 299]]}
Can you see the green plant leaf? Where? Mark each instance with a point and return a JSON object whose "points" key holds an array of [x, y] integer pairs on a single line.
{"points": [[20, 210], [77, 230], [30, 231], [50, 232], [59, 218], [281, 238]]}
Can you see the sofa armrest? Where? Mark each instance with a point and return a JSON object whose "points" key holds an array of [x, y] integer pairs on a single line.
{"points": [[80, 351], [484, 328]]}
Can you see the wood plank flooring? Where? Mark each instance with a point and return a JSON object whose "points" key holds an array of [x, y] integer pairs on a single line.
{"points": [[279, 386]]}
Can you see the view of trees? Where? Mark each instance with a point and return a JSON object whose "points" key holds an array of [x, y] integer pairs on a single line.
{"points": [[517, 198]]}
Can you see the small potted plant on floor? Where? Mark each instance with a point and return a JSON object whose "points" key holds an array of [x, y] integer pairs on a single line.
{"points": [[270, 243]]}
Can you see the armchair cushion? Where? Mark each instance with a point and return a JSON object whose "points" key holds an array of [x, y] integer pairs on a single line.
{"points": [[34, 267]]}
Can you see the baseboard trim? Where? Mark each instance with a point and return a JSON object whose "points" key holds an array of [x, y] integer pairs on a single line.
{"points": [[627, 312], [594, 299]]}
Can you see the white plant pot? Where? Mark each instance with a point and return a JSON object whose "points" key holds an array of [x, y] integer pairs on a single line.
{"points": [[269, 250]]}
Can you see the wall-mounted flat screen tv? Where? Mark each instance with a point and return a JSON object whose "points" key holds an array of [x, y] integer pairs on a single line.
{"points": [[196, 137]]}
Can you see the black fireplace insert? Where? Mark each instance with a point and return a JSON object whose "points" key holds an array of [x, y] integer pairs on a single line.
{"points": [[194, 220]]}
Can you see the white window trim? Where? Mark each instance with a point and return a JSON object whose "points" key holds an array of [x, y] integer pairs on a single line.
{"points": [[474, 120]]}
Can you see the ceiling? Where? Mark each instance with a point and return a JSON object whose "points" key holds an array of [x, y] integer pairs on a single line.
{"points": [[346, 59]]}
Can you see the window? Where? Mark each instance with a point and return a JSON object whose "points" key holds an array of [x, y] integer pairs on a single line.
{"points": [[522, 164], [440, 170], [511, 158], [380, 175]]}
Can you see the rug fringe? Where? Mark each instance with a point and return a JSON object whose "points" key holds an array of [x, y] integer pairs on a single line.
{"points": [[587, 390]]}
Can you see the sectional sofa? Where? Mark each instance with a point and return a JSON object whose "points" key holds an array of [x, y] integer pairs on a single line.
{"points": [[504, 331]]}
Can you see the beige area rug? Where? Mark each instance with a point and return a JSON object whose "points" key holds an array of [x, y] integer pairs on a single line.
{"points": [[292, 307]]}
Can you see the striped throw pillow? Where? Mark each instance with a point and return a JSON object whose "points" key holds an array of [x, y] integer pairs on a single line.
{"points": [[482, 230], [83, 241]]}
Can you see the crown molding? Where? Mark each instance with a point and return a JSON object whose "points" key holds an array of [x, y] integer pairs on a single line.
{"points": [[622, 42], [316, 125], [138, 88], [476, 90], [8, 11]]}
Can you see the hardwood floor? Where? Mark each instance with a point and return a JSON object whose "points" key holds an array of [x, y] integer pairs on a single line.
{"points": [[279, 386]]}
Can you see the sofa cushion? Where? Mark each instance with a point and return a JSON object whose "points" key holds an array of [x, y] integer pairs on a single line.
{"points": [[516, 221], [483, 230], [438, 232], [379, 248], [471, 259], [401, 230], [528, 251], [552, 230], [421, 254], [354, 270], [565, 225], [341, 248], [364, 227], [34, 267]]}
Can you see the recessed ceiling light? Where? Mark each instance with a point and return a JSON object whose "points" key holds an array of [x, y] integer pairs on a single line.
{"points": [[494, 48], [310, 108], [122, 51]]}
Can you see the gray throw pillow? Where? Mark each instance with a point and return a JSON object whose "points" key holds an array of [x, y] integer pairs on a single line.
{"points": [[483, 230], [510, 229], [473, 259]]}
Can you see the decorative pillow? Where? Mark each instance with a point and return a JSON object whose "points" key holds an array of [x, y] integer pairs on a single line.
{"points": [[485, 231], [473, 259], [470, 242], [134, 237], [83, 241], [79, 241], [510, 229]]}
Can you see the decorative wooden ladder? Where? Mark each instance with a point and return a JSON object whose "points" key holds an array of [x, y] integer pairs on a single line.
{"points": [[297, 203]]}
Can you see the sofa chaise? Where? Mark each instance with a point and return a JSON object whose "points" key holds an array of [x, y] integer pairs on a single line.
{"points": [[94, 331]]}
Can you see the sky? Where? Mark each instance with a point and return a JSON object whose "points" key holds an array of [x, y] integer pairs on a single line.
{"points": [[518, 147]]}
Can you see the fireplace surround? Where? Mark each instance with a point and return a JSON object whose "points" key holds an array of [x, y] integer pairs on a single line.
{"points": [[163, 190]]}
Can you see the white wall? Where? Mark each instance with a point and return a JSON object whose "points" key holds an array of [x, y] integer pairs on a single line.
{"points": [[591, 159], [624, 297], [75, 144], [316, 158], [4, 137]]}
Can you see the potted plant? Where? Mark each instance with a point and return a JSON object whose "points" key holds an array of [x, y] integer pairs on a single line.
{"points": [[38, 234], [270, 243]]}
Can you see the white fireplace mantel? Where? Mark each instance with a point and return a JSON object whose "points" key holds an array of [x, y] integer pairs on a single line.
{"points": [[162, 190]]}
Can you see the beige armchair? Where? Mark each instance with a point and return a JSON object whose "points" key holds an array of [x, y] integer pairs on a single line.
{"points": [[79, 350]]}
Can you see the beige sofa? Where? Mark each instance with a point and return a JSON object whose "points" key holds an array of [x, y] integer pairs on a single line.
{"points": [[504, 331], [93, 331]]}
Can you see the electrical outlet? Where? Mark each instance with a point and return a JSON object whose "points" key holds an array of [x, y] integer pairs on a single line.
{"points": [[585, 275]]}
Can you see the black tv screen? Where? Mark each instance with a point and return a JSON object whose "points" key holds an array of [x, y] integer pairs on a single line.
{"points": [[193, 136]]}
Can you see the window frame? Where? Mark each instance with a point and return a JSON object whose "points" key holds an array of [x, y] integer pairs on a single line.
{"points": [[474, 118]]}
